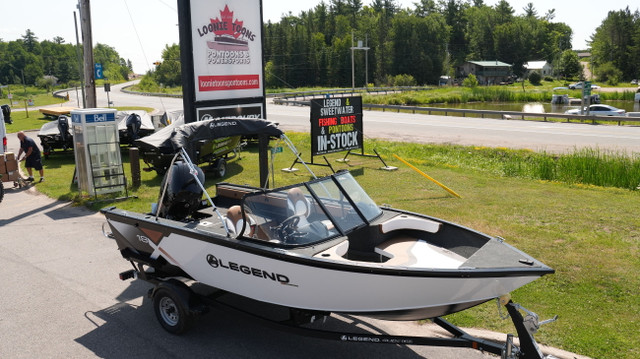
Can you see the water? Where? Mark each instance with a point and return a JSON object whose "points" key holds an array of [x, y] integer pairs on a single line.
{"points": [[533, 107]]}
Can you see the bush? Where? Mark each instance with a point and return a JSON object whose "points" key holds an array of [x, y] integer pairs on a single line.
{"points": [[400, 80], [470, 81], [609, 73], [535, 78]]}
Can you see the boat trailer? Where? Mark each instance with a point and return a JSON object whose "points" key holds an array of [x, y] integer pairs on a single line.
{"points": [[177, 304]]}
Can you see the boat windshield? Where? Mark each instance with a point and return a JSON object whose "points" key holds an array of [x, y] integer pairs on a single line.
{"points": [[310, 212]]}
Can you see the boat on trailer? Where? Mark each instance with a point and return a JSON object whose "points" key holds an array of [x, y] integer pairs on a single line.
{"points": [[320, 246]]}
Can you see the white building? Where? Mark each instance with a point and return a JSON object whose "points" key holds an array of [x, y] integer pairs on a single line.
{"points": [[542, 67]]}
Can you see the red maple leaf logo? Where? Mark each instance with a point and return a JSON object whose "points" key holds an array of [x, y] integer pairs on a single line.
{"points": [[227, 26]]}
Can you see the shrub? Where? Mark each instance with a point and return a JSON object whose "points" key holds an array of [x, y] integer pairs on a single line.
{"points": [[470, 81], [535, 78], [609, 73]]}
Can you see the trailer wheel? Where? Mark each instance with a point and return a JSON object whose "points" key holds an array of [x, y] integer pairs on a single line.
{"points": [[220, 167], [171, 312]]}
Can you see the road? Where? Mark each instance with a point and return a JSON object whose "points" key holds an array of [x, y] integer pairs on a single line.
{"points": [[533, 135]]}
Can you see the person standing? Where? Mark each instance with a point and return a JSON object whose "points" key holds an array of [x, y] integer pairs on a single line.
{"points": [[31, 157]]}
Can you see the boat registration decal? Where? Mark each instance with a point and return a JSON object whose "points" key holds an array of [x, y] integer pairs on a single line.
{"points": [[214, 262]]}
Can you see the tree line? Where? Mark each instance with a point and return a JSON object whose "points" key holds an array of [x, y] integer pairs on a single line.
{"points": [[50, 62], [433, 38], [426, 41]]}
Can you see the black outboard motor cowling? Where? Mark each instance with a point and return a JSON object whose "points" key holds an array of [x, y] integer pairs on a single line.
{"points": [[63, 127], [183, 194], [133, 127], [6, 113]]}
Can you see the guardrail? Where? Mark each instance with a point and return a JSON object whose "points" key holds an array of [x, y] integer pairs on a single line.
{"points": [[359, 90], [507, 115]]}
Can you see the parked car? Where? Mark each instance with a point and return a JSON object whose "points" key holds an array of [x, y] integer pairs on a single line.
{"points": [[599, 110], [576, 86]]}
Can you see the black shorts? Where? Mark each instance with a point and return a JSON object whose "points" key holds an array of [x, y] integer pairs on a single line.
{"points": [[34, 162]]}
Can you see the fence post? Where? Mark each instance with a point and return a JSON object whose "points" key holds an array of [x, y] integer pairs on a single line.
{"points": [[134, 159]]}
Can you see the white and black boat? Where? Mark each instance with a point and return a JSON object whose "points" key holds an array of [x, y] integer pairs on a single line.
{"points": [[322, 245]]}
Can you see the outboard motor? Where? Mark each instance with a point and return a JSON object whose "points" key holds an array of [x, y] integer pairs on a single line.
{"points": [[6, 113], [183, 195], [133, 127], [63, 127]]}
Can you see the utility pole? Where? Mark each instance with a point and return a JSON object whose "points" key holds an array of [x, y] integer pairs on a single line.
{"points": [[81, 72], [87, 44]]}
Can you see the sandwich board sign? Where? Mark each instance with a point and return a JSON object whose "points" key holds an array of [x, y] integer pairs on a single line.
{"points": [[221, 57], [336, 125]]}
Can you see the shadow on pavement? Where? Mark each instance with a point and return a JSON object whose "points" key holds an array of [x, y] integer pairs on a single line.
{"points": [[126, 330]]}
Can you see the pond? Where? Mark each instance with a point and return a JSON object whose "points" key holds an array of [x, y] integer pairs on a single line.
{"points": [[533, 107]]}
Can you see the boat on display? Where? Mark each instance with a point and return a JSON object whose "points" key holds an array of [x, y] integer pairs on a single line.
{"points": [[322, 245], [157, 151], [58, 134]]}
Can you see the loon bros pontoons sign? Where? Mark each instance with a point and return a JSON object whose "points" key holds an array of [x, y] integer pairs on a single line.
{"points": [[336, 124], [221, 43]]}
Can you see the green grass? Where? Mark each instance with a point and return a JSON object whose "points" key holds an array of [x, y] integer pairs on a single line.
{"points": [[39, 96], [589, 234]]}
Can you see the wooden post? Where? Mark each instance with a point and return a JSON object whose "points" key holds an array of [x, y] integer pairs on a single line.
{"points": [[134, 159]]}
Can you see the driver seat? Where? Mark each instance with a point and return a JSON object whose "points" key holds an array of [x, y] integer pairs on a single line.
{"points": [[235, 220], [298, 205]]}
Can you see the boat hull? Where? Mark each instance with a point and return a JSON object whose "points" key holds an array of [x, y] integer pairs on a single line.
{"points": [[283, 277]]}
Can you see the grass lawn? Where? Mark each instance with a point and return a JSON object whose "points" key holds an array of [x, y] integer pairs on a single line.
{"points": [[39, 96], [589, 234]]}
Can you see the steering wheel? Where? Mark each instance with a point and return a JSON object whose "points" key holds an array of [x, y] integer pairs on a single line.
{"points": [[288, 229]]}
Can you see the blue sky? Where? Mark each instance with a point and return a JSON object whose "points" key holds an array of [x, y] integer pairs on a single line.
{"points": [[154, 22]]}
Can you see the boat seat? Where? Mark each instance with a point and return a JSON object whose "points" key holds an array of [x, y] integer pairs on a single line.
{"points": [[409, 222], [235, 220], [298, 205]]}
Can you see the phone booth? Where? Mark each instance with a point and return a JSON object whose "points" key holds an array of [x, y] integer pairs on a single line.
{"points": [[96, 145]]}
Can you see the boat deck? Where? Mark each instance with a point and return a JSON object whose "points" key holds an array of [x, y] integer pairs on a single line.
{"points": [[56, 112]]}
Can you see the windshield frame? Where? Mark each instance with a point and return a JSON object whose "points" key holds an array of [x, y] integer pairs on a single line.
{"points": [[324, 209]]}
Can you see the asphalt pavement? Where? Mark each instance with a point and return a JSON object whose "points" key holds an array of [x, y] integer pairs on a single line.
{"points": [[62, 299]]}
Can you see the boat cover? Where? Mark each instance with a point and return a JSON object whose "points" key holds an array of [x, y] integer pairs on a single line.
{"points": [[161, 139], [49, 129], [191, 133], [146, 122]]}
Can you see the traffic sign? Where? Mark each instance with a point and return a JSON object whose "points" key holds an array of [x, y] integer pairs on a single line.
{"points": [[98, 71], [586, 91]]}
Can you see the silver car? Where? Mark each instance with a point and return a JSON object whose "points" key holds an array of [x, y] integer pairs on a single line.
{"points": [[599, 110]]}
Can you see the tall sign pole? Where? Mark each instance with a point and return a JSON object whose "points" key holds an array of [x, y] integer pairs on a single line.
{"points": [[87, 44]]}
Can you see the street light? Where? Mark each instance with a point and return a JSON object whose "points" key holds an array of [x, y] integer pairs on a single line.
{"points": [[366, 57]]}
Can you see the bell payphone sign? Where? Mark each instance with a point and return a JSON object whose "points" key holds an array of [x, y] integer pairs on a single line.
{"points": [[336, 124]]}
